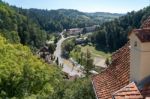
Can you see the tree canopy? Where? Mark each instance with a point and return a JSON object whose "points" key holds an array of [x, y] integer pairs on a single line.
{"points": [[32, 27], [114, 34], [23, 75]]}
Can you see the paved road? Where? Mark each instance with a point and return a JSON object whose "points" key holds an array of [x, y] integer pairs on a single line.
{"points": [[67, 65]]}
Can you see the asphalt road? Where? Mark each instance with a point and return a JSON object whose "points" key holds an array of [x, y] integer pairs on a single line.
{"points": [[67, 65]]}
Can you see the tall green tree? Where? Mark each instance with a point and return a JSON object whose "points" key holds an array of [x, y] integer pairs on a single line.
{"points": [[23, 75], [89, 63]]}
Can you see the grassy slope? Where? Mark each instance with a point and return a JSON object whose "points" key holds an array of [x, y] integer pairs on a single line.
{"points": [[94, 52]]}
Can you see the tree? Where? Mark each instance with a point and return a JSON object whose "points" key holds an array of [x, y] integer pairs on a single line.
{"points": [[113, 35], [57, 61], [52, 48], [84, 30], [24, 75], [81, 59], [79, 89], [67, 47], [107, 62], [89, 63]]}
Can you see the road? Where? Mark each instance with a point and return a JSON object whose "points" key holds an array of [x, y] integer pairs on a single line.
{"points": [[67, 65]]}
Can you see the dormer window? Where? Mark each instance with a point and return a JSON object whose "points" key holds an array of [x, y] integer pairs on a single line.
{"points": [[135, 44]]}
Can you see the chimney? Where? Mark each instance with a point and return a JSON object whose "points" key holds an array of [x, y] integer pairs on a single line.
{"points": [[139, 55]]}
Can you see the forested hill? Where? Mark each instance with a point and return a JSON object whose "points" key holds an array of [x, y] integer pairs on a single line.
{"points": [[32, 27], [114, 34], [25, 76], [56, 20]]}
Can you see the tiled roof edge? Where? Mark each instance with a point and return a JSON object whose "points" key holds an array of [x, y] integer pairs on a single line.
{"points": [[94, 89], [111, 56]]}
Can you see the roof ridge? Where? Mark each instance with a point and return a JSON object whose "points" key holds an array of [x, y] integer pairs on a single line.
{"points": [[146, 23], [127, 44]]}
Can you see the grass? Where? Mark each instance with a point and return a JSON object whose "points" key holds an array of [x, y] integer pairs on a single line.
{"points": [[94, 52]]}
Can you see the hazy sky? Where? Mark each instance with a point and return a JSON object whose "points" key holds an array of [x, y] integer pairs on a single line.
{"points": [[115, 6]]}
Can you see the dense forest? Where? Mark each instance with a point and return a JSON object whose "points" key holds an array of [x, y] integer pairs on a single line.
{"points": [[57, 20], [114, 34], [18, 28], [32, 27], [26, 76], [22, 31]]}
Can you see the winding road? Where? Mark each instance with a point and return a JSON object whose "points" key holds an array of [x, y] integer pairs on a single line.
{"points": [[67, 65]]}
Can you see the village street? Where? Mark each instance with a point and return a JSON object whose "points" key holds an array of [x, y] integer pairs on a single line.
{"points": [[67, 65]]}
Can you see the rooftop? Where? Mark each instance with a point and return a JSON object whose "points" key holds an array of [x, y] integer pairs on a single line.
{"points": [[128, 92], [114, 82], [110, 80], [146, 23]]}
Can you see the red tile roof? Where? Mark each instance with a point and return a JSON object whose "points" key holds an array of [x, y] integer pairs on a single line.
{"points": [[142, 34], [115, 76], [146, 23], [128, 92]]}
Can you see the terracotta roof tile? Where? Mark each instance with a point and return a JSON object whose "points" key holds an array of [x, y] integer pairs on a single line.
{"points": [[128, 92], [146, 23], [115, 76], [142, 34]]}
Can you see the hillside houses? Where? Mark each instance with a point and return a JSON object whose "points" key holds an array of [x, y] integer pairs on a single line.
{"points": [[74, 31], [128, 76], [77, 31], [45, 54]]}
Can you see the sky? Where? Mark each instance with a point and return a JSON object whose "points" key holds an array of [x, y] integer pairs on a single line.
{"points": [[113, 6]]}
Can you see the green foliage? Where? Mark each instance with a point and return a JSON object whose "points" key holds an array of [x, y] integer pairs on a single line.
{"points": [[113, 35], [79, 90], [67, 47], [57, 20], [23, 75], [12, 36], [32, 27], [88, 62], [83, 58], [18, 28], [51, 49], [57, 61], [76, 54], [107, 62]]}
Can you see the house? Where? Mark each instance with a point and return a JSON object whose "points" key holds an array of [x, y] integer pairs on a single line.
{"points": [[128, 76], [81, 40], [74, 31], [45, 54]]}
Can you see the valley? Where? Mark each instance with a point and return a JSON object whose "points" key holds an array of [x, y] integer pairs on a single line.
{"points": [[66, 53]]}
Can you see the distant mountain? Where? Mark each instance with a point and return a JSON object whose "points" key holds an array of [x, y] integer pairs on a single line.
{"points": [[33, 27], [69, 18], [96, 18], [105, 14]]}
